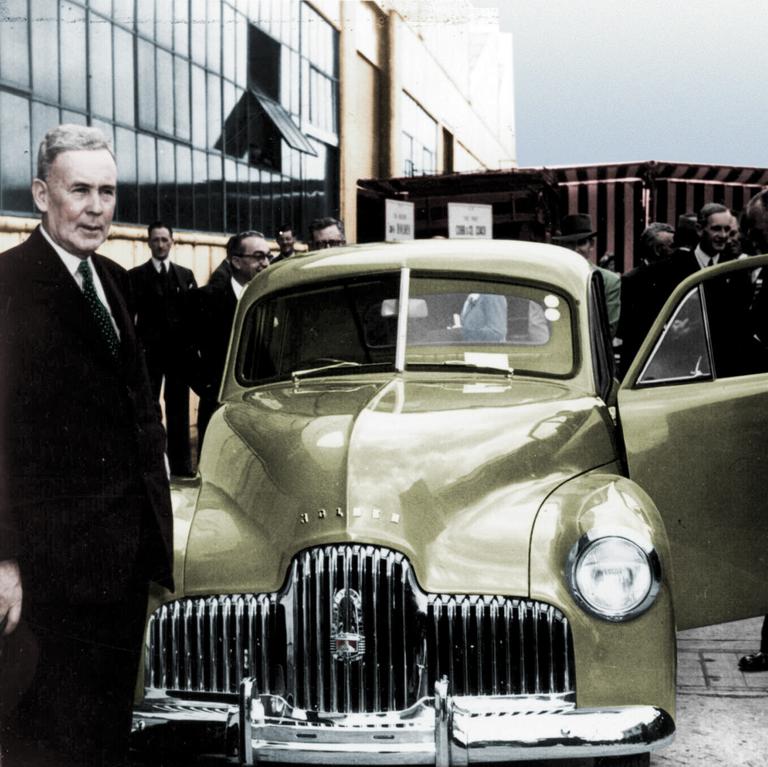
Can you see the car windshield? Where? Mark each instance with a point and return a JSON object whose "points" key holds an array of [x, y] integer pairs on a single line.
{"points": [[352, 326]]}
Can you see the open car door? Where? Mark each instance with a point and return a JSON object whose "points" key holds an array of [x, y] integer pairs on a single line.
{"points": [[693, 409]]}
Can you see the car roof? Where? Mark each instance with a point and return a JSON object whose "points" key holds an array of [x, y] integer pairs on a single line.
{"points": [[527, 261]]}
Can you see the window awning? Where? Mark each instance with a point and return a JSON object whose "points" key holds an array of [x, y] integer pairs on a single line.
{"points": [[282, 120]]}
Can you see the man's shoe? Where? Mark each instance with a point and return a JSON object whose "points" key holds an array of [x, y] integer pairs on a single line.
{"points": [[756, 662]]}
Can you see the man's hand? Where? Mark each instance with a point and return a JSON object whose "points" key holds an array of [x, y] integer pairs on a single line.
{"points": [[10, 596]]}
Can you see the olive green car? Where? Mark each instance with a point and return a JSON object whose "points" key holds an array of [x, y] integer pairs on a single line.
{"points": [[431, 528]]}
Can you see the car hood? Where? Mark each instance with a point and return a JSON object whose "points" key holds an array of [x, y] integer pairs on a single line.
{"points": [[451, 473]]}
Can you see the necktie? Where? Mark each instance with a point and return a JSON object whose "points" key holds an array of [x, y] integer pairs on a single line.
{"points": [[711, 261], [98, 310]]}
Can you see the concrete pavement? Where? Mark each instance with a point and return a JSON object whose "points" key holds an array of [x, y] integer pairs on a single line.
{"points": [[722, 713]]}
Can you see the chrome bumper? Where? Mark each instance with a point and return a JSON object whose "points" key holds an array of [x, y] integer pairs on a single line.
{"points": [[439, 730]]}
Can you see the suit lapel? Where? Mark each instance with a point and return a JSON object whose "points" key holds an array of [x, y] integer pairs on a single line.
{"points": [[57, 288]]}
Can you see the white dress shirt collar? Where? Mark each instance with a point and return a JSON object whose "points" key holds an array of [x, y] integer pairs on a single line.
{"points": [[703, 258], [158, 264], [237, 287]]}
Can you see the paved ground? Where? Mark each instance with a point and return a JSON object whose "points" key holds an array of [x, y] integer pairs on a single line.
{"points": [[722, 714]]}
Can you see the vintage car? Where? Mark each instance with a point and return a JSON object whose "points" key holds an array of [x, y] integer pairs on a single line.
{"points": [[432, 528]]}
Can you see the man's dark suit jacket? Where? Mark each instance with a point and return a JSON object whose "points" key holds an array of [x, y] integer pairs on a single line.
{"points": [[212, 312], [81, 443], [160, 318]]}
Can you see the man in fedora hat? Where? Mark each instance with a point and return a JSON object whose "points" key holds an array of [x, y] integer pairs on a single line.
{"points": [[576, 233]]}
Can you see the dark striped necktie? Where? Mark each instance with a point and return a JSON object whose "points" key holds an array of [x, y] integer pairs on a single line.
{"points": [[99, 311]]}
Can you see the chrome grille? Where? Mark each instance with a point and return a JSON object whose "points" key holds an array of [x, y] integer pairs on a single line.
{"points": [[485, 645]]}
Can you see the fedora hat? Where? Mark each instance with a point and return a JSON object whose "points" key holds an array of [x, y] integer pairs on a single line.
{"points": [[575, 227]]}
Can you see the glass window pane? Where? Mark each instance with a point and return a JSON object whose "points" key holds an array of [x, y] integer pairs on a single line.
{"points": [[145, 18], [254, 193], [243, 216], [285, 77], [15, 154], [230, 172], [164, 23], [197, 31], [184, 190], [102, 6], [76, 118], [682, 353], [181, 27], [241, 44], [295, 102], [230, 48], [181, 85], [146, 85], [72, 56], [216, 193], [124, 91], [166, 178], [44, 118], [14, 43], [147, 173], [213, 106], [200, 179], [123, 12], [127, 196], [164, 91], [45, 55], [198, 107], [295, 25], [106, 128], [213, 36], [100, 53]]}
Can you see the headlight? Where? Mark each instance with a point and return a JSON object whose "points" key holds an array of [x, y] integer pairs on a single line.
{"points": [[614, 575]]}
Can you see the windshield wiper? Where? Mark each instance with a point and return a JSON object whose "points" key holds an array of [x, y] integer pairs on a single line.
{"points": [[461, 364], [331, 365]]}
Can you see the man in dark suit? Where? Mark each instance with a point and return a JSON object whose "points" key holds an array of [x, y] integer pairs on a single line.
{"points": [[159, 288], [285, 242], [639, 292], [85, 512], [714, 225], [212, 310]]}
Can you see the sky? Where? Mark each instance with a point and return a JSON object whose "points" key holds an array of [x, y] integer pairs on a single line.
{"points": [[623, 80]]}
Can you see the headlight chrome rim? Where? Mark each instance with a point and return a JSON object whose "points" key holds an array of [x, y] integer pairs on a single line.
{"points": [[586, 543]]}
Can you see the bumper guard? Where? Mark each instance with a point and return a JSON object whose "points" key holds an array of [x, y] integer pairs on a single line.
{"points": [[441, 730]]}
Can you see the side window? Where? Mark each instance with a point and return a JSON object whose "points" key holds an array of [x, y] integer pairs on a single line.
{"points": [[602, 349], [682, 353], [718, 331]]}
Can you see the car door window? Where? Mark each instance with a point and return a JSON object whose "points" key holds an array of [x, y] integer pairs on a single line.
{"points": [[682, 353], [718, 330]]}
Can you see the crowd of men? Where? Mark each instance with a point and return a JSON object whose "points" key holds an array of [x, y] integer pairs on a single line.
{"points": [[185, 328], [666, 257]]}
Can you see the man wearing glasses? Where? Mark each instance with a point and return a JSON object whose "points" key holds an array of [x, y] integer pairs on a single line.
{"points": [[326, 232], [212, 311]]}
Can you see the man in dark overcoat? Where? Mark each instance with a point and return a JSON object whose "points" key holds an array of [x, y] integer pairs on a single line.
{"points": [[85, 512], [159, 288], [212, 311]]}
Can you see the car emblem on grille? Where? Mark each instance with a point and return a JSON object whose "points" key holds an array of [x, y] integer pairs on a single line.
{"points": [[347, 638]]}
